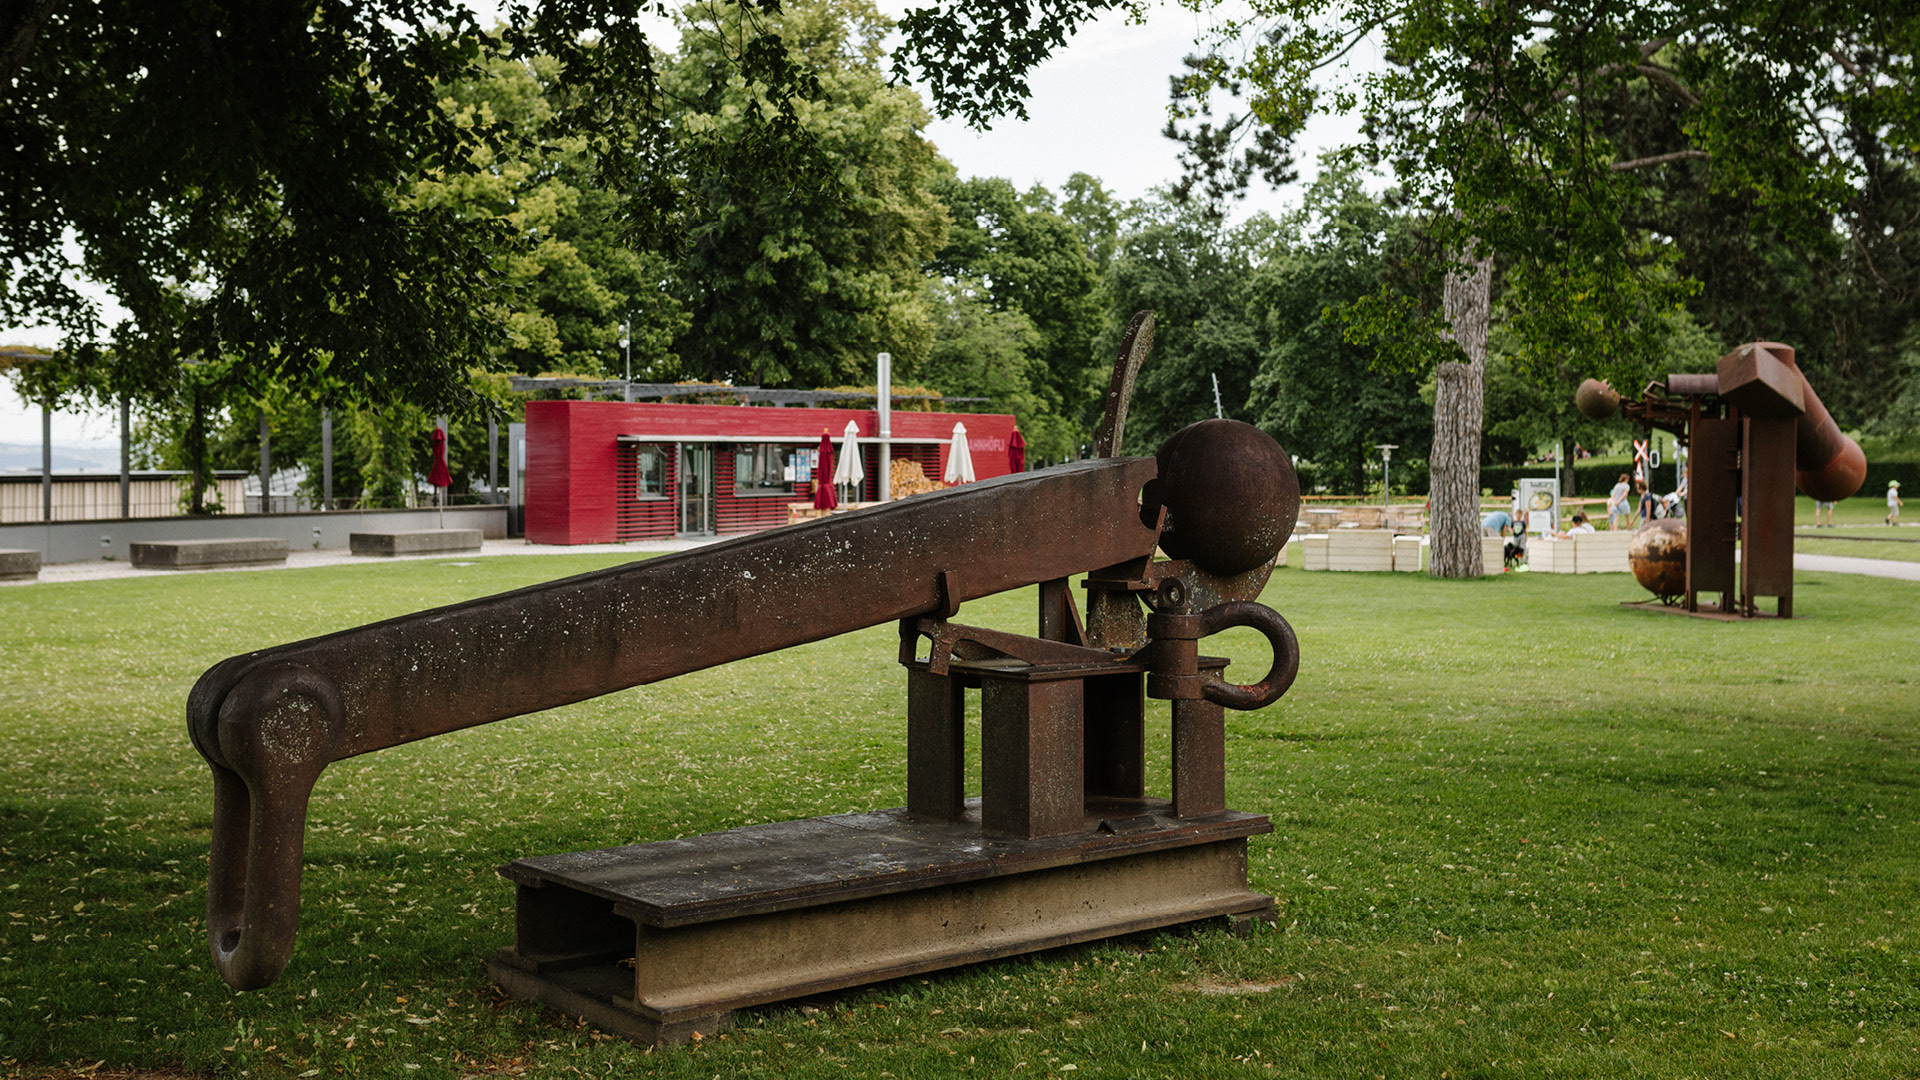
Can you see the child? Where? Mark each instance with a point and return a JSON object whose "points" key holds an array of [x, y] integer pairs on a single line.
{"points": [[1893, 502]]}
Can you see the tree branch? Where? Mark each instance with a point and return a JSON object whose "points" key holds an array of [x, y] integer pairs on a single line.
{"points": [[1843, 60], [19, 37], [1657, 159]]}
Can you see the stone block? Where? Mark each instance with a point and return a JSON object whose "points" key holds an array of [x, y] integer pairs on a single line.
{"points": [[206, 554], [414, 542], [19, 564]]}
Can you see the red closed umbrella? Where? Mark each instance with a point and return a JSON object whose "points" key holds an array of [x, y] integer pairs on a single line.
{"points": [[438, 475], [1016, 453], [823, 496]]}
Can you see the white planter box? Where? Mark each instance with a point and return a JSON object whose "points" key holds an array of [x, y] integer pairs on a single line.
{"points": [[1409, 554], [1602, 552], [1313, 551], [1360, 549]]}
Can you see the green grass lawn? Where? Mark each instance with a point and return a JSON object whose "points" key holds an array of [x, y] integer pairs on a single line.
{"points": [[1519, 832]]}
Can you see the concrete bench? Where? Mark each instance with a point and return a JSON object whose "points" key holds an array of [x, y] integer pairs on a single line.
{"points": [[415, 542], [206, 554], [19, 564]]}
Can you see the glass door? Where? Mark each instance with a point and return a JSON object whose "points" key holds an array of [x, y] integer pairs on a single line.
{"points": [[696, 489]]}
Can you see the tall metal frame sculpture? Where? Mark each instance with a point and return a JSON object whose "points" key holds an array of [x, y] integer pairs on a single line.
{"points": [[1754, 429], [661, 941]]}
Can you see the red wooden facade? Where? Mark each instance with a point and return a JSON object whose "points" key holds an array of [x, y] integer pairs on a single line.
{"points": [[585, 462]]}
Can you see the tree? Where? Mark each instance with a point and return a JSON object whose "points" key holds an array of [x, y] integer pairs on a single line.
{"points": [[1193, 273], [231, 173], [572, 280], [979, 349], [1021, 256], [1327, 399], [802, 280], [238, 175]]}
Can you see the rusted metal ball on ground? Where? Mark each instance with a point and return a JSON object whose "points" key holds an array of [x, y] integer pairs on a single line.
{"points": [[1658, 556], [1596, 400], [1230, 492]]}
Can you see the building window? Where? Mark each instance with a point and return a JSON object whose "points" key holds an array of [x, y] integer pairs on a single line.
{"points": [[650, 470], [763, 469]]}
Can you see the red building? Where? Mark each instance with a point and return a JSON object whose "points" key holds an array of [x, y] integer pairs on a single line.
{"points": [[607, 471]]}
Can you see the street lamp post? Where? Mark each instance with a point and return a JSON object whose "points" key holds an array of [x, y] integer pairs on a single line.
{"points": [[1386, 488]]}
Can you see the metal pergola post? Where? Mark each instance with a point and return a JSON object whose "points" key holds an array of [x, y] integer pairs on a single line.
{"points": [[126, 459], [46, 463], [326, 459]]}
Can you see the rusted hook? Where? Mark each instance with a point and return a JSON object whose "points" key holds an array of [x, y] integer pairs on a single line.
{"points": [[266, 738], [1279, 635]]}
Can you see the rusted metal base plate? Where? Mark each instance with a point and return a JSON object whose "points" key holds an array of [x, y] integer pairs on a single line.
{"points": [[659, 941], [1705, 611]]}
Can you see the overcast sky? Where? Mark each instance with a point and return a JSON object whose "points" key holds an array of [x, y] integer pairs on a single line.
{"points": [[1097, 107]]}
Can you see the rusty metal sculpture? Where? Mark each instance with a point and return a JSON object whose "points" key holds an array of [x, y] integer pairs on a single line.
{"points": [[1755, 429], [663, 940]]}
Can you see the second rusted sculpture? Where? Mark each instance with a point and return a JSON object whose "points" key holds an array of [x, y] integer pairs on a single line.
{"points": [[1755, 429]]}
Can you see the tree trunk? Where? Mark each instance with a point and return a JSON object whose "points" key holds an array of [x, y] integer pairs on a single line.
{"points": [[1459, 404]]}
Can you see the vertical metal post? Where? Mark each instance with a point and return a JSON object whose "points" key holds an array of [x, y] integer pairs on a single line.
{"points": [[1386, 485], [936, 747], [46, 463], [439, 493], [885, 406], [493, 458], [266, 464], [626, 342], [126, 460], [326, 458]]}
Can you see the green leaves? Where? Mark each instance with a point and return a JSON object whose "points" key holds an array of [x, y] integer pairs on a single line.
{"points": [[974, 55], [800, 271]]}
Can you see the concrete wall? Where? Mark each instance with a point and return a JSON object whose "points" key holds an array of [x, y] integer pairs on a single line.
{"points": [[86, 541]]}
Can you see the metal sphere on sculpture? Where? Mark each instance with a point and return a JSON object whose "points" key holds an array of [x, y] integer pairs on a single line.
{"points": [[1596, 400], [1230, 493], [1658, 556]]}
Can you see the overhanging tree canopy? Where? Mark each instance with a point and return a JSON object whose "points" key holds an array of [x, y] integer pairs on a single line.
{"points": [[234, 173]]}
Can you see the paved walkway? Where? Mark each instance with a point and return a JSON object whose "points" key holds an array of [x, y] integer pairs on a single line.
{"points": [[1847, 564], [92, 571]]}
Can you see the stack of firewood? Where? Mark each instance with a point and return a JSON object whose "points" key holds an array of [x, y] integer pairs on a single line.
{"points": [[909, 479]]}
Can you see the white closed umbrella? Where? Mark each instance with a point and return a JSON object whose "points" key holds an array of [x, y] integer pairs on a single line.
{"points": [[959, 459], [848, 470]]}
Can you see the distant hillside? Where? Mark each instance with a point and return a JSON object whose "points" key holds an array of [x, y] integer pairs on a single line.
{"points": [[18, 456]]}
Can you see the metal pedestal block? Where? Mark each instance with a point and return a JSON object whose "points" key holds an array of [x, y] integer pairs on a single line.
{"points": [[659, 941]]}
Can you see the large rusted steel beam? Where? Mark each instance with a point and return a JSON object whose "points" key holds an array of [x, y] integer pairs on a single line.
{"points": [[269, 722]]}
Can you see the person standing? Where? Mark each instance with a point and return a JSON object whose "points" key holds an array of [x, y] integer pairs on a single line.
{"points": [[1618, 508], [1893, 502], [1822, 507]]}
